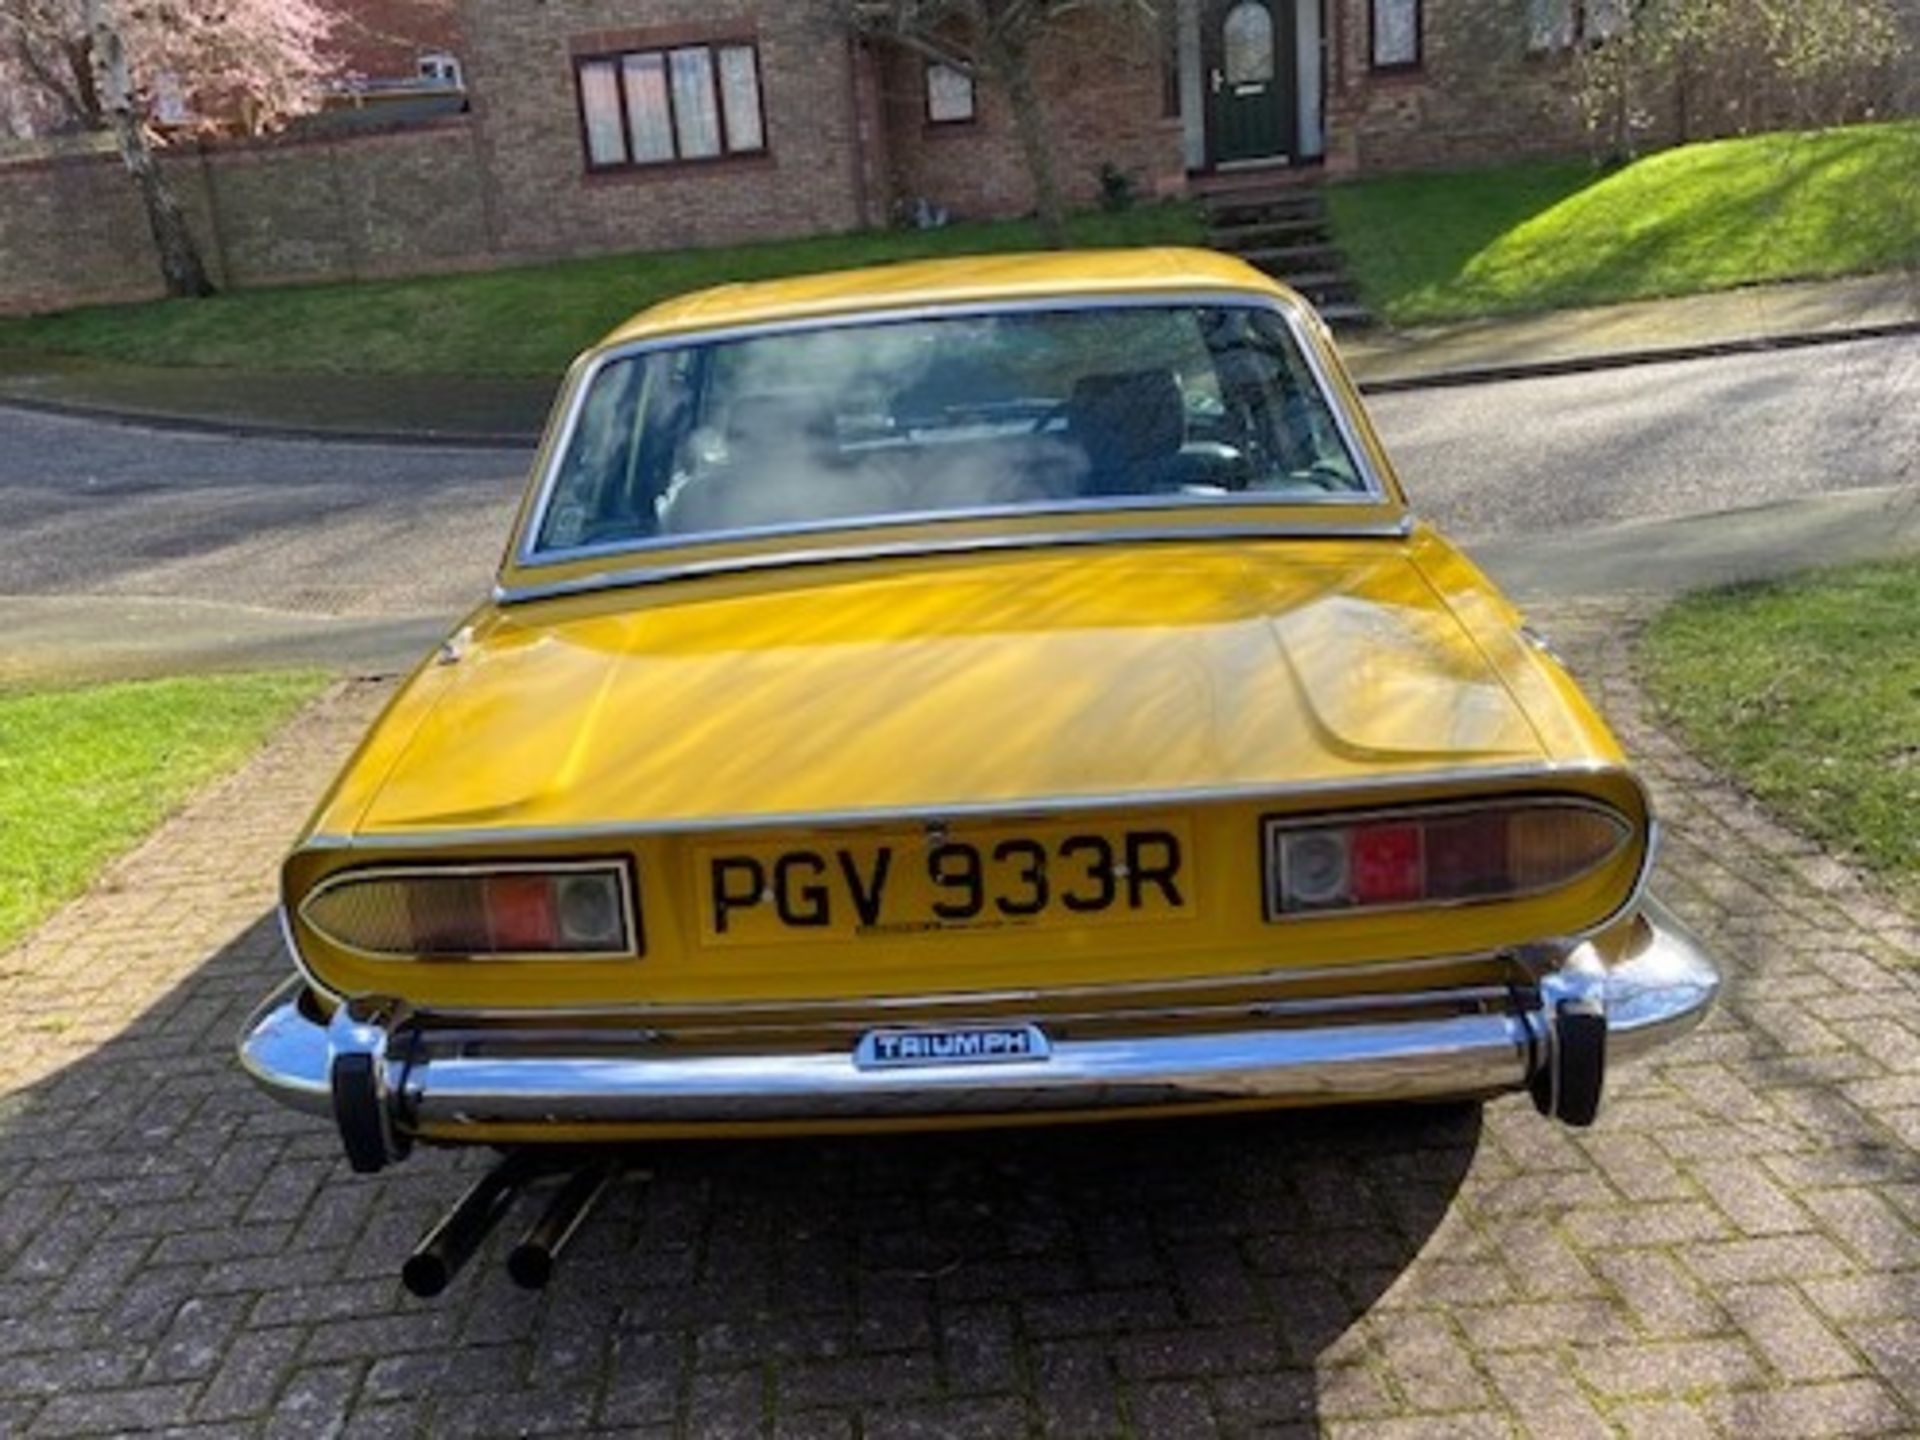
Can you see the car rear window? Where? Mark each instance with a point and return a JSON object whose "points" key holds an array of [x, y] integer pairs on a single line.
{"points": [[946, 415]]}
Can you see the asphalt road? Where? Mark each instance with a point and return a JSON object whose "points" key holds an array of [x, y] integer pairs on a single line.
{"points": [[349, 530], [1656, 441], [328, 528]]}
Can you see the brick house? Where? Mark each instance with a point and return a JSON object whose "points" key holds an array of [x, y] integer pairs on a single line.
{"points": [[630, 124]]}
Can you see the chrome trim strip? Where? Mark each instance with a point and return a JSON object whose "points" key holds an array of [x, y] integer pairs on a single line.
{"points": [[971, 545], [1274, 855], [682, 1025], [300, 965], [800, 1011], [1656, 993], [527, 555], [1546, 771]]}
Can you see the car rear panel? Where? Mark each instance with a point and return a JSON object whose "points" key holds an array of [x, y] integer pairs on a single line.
{"points": [[761, 750], [803, 938]]}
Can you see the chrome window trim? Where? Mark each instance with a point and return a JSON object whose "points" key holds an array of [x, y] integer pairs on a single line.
{"points": [[894, 520], [980, 544], [528, 555], [1273, 862], [621, 866]]}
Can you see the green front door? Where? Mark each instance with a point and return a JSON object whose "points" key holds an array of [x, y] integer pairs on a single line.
{"points": [[1250, 59]]}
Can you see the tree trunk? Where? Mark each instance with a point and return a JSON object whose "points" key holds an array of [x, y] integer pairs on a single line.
{"points": [[1626, 147], [1683, 94], [1010, 64], [86, 92], [180, 263]]}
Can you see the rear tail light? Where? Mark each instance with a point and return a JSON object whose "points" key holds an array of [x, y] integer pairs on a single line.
{"points": [[1443, 856], [563, 911]]}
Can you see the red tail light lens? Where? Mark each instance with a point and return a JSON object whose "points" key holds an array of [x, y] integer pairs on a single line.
{"points": [[521, 912], [1386, 866], [1442, 856], [563, 911]]}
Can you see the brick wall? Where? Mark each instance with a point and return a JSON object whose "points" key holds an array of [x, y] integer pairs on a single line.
{"points": [[521, 72], [1477, 95], [1102, 87], [72, 232], [409, 201], [349, 208]]}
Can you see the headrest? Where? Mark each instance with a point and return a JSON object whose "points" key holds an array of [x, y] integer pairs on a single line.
{"points": [[781, 419], [1127, 417]]}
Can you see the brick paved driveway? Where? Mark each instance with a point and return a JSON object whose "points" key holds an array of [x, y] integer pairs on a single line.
{"points": [[1734, 1250]]}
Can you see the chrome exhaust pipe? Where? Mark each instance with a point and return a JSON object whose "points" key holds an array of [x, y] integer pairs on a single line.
{"points": [[452, 1243], [532, 1261]]}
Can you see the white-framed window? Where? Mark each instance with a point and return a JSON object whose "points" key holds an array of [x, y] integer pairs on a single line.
{"points": [[1561, 24], [441, 68], [661, 107], [950, 97], [1396, 34]]}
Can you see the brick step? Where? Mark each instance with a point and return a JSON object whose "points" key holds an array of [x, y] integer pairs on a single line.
{"points": [[1260, 209], [1240, 238], [1347, 315], [1307, 281], [1321, 255], [1276, 258]]}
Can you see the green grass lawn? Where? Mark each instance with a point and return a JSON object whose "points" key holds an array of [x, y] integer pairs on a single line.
{"points": [[1696, 218], [87, 773], [507, 322], [1808, 692]]}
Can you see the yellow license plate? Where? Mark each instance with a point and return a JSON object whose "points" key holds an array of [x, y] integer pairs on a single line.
{"points": [[1018, 875]]}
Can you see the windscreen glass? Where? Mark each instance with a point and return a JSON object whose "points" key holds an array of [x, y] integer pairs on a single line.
{"points": [[942, 415]]}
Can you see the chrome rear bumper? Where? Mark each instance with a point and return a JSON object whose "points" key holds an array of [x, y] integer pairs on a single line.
{"points": [[387, 1077]]}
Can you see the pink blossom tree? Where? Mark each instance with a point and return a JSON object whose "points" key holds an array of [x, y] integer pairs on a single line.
{"points": [[103, 64]]}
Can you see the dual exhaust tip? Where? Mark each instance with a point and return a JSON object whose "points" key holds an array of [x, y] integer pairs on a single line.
{"points": [[445, 1249]]}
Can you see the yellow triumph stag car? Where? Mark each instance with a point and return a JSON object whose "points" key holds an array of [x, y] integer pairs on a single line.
{"points": [[968, 693]]}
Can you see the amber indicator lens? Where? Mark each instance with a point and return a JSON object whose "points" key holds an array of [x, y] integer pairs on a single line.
{"points": [[446, 914], [1448, 856]]}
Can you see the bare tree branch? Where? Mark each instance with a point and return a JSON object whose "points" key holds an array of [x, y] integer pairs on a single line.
{"points": [[993, 41]]}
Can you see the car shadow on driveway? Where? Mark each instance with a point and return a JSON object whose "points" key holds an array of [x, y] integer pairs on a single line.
{"points": [[176, 1248]]}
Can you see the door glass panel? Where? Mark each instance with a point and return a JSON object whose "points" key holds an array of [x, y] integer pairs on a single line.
{"points": [[649, 117], [696, 108], [1247, 40]]}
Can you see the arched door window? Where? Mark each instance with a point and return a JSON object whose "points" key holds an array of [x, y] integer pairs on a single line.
{"points": [[1248, 44]]}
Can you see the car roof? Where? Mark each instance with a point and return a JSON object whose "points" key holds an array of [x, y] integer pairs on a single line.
{"points": [[972, 279]]}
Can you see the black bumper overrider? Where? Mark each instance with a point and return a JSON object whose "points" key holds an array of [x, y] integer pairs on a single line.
{"points": [[387, 1076]]}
